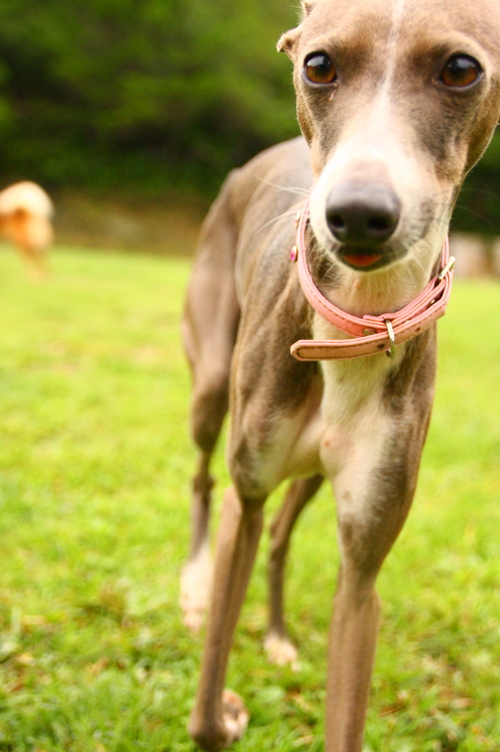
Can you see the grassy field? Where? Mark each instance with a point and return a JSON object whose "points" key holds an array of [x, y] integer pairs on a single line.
{"points": [[95, 462]]}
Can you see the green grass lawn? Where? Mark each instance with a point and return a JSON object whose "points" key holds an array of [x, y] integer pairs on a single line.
{"points": [[95, 464]]}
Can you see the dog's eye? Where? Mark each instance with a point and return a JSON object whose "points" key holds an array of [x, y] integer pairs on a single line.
{"points": [[461, 71], [319, 69]]}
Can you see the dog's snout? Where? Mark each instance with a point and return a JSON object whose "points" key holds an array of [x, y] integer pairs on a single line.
{"points": [[361, 215]]}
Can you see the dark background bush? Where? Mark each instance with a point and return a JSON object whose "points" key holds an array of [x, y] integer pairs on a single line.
{"points": [[153, 96]]}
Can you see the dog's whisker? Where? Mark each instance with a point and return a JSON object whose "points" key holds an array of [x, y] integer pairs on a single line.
{"points": [[274, 220], [480, 216], [479, 191], [415, 261], [288, 188]]}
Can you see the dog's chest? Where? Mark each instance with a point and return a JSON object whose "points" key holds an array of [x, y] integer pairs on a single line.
{"points": [[349, 418]]}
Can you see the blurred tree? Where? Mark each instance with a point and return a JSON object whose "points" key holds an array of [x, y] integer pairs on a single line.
{"points": [[105, 94], [478, 206], [103, 91]]}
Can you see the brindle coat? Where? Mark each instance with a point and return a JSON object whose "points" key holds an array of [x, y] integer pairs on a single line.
{"points": [[390, 125]]}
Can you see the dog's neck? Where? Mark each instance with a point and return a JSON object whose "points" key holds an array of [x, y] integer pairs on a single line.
{"points": [[372, 333], [382, 291]]}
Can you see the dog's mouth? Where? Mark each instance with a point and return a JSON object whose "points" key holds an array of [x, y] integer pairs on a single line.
{"points": [[364, 260], [361, 260]]}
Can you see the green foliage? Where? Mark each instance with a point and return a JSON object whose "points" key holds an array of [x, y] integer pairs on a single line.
{"points": [[116, 95], [100, 91], [95, 468], [478, 208]]}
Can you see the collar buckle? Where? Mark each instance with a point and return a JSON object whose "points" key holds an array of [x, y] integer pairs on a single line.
{"points": [[391, 352], [449, 266]]}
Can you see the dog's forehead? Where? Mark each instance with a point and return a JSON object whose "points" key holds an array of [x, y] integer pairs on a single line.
{"points": [[354, 19], [358, 21]]}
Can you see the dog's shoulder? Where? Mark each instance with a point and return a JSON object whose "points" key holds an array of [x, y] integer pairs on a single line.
{"points": [[269, 182]]}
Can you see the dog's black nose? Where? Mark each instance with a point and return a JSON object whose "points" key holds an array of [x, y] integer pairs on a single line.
{"points": [[362, 215]]}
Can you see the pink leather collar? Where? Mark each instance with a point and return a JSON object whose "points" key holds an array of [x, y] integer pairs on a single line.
{"points": [[371, 334]]}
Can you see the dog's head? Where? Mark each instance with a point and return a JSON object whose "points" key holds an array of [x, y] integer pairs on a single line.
{"points": [[397, 99]]}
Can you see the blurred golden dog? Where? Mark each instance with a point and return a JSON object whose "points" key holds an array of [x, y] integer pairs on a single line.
{"points": [[25, 219]]}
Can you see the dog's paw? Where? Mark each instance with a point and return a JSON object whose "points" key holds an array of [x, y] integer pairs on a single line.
{"points": [[281, 651], [215, 734], [193, 619], [196, 586], [235, 715]]}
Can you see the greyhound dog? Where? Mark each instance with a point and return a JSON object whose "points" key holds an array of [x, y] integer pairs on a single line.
{"points": [[328, 364]]}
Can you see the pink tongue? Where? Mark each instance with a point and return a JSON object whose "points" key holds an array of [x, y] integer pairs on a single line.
{"points": [[362, 259]]}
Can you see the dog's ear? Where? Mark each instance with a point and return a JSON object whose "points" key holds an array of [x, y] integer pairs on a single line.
{"points": [[288, 41], [307, 6]]}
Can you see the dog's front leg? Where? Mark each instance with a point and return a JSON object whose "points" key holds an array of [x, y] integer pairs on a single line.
{"points": [[354, 627], [352, 642], [219, 716], [373, 491]]}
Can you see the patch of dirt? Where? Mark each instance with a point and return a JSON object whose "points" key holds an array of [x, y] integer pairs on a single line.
{"points": [[167, 227]]}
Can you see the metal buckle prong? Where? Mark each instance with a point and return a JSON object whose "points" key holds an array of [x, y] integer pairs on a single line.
{"points": [[391, 352], [449, 266]]}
